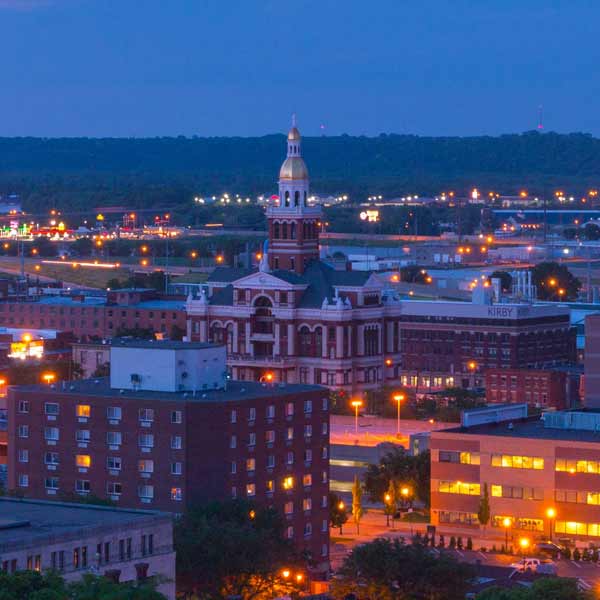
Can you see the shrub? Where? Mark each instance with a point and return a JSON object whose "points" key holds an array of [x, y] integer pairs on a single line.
{"points": [[576, 554], [442, 541], [452, 542], [469, 544]]}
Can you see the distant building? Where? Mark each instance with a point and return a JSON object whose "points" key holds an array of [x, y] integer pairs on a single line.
{"points": [[542, 388], [90, 356], [592, 361], [76, 539], [167, 429]]}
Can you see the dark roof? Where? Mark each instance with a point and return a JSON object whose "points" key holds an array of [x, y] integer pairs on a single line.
{"points": [[226, 274], [160, 344], [532, 427], [236, 391], [29, 523], [223, 296], [131, 290]]}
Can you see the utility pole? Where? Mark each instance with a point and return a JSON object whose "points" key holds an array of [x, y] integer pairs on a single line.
{"points": [[166, 259]]}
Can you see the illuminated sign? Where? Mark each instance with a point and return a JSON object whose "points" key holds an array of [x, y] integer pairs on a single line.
{"points": [[27, 349], [371, 216]]}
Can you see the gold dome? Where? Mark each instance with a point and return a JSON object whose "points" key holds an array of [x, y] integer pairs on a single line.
{"points": [[293, 168], [293, 134]]}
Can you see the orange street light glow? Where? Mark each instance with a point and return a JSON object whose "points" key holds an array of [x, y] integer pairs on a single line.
{"points": [[48, 377], [388, 362]]}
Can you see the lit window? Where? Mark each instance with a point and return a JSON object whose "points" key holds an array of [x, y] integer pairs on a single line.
{"points": [[307, 480], [146, 466], [289, 434], [306, 504], [288, 508], [176, 493], [251, 489], [270, 436], [83, 410], [270, 485], [289, 409], [288, 483], [83, 460], [250, 464]]}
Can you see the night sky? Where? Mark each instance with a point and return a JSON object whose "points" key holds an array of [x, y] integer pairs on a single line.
{"points": [[241, 67]]}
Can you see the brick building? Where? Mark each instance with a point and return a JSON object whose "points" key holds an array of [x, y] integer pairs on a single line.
{"points": [[169, 429], [542, 388], [542, 474], [76, 539]]}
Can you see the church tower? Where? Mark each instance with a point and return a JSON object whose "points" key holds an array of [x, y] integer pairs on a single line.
{"points": [[293, 224]]}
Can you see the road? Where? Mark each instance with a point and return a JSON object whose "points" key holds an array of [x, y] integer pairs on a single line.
{"points": [[374, 525]]}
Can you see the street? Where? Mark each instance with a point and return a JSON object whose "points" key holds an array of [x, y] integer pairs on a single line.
{"points": [[373, 525]]}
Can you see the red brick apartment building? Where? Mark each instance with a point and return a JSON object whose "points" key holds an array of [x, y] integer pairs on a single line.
{"points": [[169, 429], [543, 388], [543, 475]]}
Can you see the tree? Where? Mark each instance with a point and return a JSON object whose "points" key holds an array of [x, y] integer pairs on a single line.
{"points": [[357, 508], [337, 511], [413, 274], [483, 514], [391, 501], [555, 282], [591, 231], [234, 549], [31, 585], [547, 588], [505, 279], [389, 569], [406, 470]]}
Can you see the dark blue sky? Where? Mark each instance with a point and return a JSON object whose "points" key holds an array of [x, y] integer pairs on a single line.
{"points": [[240, 67]]}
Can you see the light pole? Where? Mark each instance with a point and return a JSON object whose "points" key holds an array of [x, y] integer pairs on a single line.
{"points": [[398, 399], [356, 404], [524, 544], [551, 514], [506, 523], [472, 366]]}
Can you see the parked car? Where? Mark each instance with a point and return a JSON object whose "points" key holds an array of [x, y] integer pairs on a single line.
{"points": [[535, 564], [548, 549]]}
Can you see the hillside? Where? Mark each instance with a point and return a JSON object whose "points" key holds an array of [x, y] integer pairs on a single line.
{"points": [[74, 172]]}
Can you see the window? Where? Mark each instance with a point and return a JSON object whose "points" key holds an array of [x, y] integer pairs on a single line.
{"points": [[252, 414], [270, 486], [308, 406], [113, 488], [458, 517], [288, 483], [288, 508], [176, 468], [23, 406], [51, 458], [270, 436], [325, 403], [82, 486], [307, 529], [289, 409], [83, 460], [250, 464], [458, 487], [146, 415], [233, 442], [23, 456], [308, 430], [176, 442], [146, 440], [113, 463], [113, 413], [51, 408], [82, 436], [23, 480], [271, 411], [176, 493], [465, 458], [176, 417], [114, 438], [146, 492], [290, 458], [324, 428], [289, 435], [51, 483], [307, 480], [146, 466], [308, 455], [82, 410], [306, 504], [23, 431], [252, 439], [517, 462], [234, 416], [251, 489], [51, 433]]}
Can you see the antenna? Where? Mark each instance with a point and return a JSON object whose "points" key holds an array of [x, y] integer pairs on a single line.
{"points": [[540, 124]]}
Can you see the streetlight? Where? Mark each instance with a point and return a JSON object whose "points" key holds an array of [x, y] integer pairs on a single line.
{"points": [[405, 492], [356, 404], [48, 377], [524, 544], [551, 514], [506, 523], [388, 500], [398, 399], [268, 377]]}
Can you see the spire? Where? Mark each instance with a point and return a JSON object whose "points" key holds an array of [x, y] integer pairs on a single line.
{"points": [[293, 119]]}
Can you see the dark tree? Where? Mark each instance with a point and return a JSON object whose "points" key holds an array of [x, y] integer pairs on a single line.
{"points": [[505, 279], [555, 282], [338, 514]]}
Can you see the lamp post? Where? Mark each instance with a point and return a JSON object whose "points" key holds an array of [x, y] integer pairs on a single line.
{"points": [[356, 404], [551, 514], [398, 399], [506, 523], [472, 366], [524, 544], [388, 499], [405, 492]]}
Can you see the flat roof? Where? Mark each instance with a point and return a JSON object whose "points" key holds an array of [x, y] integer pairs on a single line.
{"points": [[161, 344], [26, 523], [236, 390], [531, 427]]}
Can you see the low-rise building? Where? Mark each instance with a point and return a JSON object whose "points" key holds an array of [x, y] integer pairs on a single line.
{"points": [[75, 539], [167, 429], [542, 474]]}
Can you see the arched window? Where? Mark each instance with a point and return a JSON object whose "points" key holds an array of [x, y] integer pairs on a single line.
{"points": [[262, 320], [276, 230], [305, 342], [318, 341], [217, 334], [229, 339], [296, 198], [284, 231], [305, 199], [304, 230], [293, 231], [287, 198]]}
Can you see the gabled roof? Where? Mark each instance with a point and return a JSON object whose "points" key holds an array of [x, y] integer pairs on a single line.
{"points": [[223, 297], [226, 274]]}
